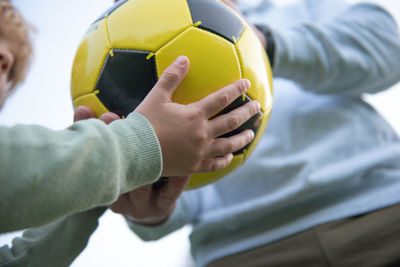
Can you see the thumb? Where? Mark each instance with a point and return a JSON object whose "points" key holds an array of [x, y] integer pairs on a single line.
{"points": [[173, 76]]}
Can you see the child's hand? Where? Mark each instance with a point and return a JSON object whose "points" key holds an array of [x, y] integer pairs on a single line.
{"points": [[84, 113], [188, 139], [187, 136], [148, 205]]}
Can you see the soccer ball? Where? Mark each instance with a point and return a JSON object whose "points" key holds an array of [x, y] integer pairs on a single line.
{"points": [[126, 50]]}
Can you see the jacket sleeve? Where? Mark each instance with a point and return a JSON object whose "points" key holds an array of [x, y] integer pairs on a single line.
{"points": [[190, 208], [356, 51], [56, 244], [46, 175], [179, 218]]}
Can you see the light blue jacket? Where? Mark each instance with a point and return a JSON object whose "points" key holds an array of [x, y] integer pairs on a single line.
{"points": [[326, 154]]}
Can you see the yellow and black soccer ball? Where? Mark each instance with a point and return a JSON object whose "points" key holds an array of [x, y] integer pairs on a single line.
{"points": [[125, 51]]}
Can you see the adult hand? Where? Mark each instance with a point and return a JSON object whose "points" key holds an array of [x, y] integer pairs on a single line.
{"points": [[149, 205], [187, 135]]}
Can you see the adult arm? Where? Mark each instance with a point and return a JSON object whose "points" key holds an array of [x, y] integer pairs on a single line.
{"points": [[174, 215], [356, 51], [154, 212]]}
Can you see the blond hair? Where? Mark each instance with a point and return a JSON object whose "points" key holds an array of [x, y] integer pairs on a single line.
{"points": [[17, 32]]}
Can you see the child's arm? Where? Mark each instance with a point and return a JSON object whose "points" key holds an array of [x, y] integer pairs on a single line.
{"points": [[45, 175], [55, 244]]}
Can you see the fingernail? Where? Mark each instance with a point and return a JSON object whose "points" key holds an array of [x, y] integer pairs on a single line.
{"points": [[258, 104], [251, 135], [181, 60], [248, 84]]}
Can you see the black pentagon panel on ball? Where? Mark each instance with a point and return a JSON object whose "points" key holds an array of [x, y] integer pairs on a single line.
{"points": [[217, 18], [110, 10], [125, 80], [253, 123]]}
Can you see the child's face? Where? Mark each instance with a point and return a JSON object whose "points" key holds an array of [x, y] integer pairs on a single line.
{"points": [[6, 63]]}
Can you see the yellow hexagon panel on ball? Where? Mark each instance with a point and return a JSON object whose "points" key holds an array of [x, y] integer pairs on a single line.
{"points": [[147, 25], [125, 51], [213, 63], [89, 59]]}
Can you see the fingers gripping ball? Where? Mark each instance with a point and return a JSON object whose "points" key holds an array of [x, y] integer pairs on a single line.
{"points": [[125, 51]]}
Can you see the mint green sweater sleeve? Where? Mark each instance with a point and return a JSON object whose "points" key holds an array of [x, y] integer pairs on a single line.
{"points": [[52, 245], [46, 175]]}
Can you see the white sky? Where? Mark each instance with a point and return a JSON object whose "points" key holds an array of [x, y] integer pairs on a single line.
{"points": [[45, 99]]}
